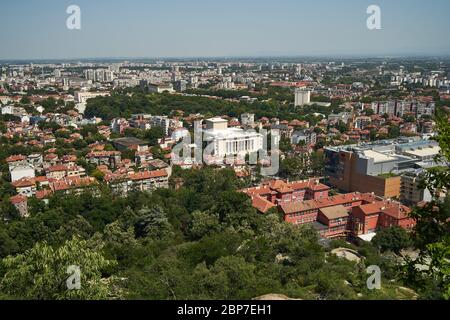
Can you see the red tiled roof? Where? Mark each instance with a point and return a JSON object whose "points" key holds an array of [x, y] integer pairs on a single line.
{"points": [[59, 167], [299, 206], [41, 179], [262, 204], [15, 158], [397, 211], [372, 208], [71, 182], [42, 194], [24, 182], [144, 175], [18, 199], [276, 184], [96, 154]]}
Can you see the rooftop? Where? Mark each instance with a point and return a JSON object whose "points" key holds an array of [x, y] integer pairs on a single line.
{"points": [[335, 212], [378, 156], [129, 141]]}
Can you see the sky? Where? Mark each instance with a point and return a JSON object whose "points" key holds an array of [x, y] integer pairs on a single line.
{"points": [[31, 29]]}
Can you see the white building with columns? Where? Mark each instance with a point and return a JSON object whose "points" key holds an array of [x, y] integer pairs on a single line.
{"points": [[230, 141]]}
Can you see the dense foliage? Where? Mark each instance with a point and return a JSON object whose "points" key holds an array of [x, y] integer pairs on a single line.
{"points": [[202, 241], [122, 105]]}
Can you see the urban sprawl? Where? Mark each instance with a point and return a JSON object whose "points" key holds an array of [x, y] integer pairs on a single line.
{"points": [[354, 137]]}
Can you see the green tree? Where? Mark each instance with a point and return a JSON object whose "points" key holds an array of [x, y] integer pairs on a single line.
{"points": [[293, 168], [394, 132], [7, 245], [393, 239], [41, 273], [203, 223], [432, 231], [153, 134], [153, 223]]}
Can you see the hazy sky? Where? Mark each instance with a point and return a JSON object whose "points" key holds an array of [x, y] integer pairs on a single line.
{"points": [[184, 28]]}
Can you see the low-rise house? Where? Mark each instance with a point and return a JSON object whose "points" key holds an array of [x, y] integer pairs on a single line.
{"points": [[21, 171], [21, 204], [130, 143], [108, 158], [25, 187], [56, 172], [61, 171], [50, 159], [36, 160], [309, 137], [285, 130], [16, 160]]}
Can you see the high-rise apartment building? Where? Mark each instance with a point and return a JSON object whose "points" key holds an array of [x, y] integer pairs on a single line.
{"points": [[302, 97]]}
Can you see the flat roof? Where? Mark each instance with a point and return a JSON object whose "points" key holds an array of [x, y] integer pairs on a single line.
{"points": [[230, 133], [367, 237], [217, 120], [127, 141], [378, 156], [424, 152]]}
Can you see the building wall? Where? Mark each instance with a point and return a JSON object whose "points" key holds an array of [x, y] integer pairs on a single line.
{"points": [[22, 172], [302, 97], [362, 224], [302, 217], [387, 221], [348, 179], [384, 187], [410, 192]]}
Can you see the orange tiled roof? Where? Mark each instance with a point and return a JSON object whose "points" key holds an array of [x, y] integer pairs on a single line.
{"points": [[15, 158], [18, 199], [397, 211], [59, 167], [42, 194], [24, 182], [262, 204], [148, 175], [299, 206]]}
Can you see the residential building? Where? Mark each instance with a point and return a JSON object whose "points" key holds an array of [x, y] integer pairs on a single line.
{"points": [[162, 122], [82, 97], [130, 143], [21, 171], [20, 202], [410, 192], [248, 120], [141, 181], [309, 137], [108, 158], [160, 88], [302, 97]]}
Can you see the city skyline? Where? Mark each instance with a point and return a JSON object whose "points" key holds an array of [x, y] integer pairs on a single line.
{"points": [[204, 29]]}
